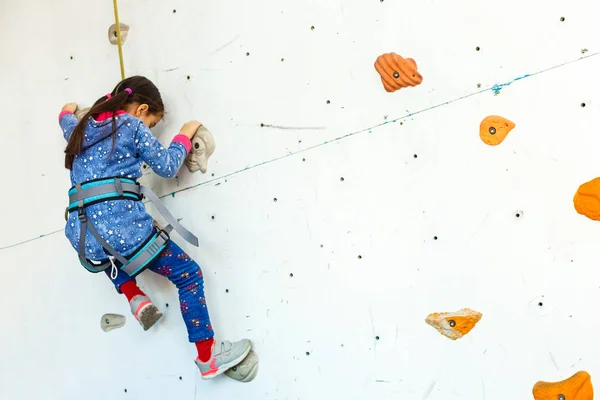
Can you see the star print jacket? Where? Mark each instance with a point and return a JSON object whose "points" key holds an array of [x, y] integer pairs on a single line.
{"points": [[124, 224]]}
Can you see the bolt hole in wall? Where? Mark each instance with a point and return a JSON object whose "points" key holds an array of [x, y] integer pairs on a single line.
{"points": [[477, 48], [582, 105], [540, 304], [562, 19], [435, 238]]}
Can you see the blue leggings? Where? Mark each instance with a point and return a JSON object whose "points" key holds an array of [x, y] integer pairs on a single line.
{"points": [[185, 273]]}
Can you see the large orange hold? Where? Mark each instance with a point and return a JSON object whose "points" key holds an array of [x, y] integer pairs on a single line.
{"points": [[397, 72], [587, 199], [577, 387], [494, 129], [454, 325]]}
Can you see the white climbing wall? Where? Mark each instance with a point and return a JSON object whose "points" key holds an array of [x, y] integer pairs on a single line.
{"points": [[339, 224]]}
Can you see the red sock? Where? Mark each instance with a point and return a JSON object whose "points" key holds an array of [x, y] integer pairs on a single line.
{"points": [[205, 349], [130, 289]]}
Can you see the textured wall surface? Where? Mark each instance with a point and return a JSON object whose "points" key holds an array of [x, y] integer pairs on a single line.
{"points": [[341, 222]]}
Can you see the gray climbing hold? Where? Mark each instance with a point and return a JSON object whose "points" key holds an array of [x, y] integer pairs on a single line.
{"points": [[203, 146], [245, 371], [80, 112], [111, 321]]}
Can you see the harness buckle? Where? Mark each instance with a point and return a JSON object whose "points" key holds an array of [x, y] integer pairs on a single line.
{"points": [[163, 234], [81, 215]]}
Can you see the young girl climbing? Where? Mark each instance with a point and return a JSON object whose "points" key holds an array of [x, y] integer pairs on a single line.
{"points": [[104, 154]]}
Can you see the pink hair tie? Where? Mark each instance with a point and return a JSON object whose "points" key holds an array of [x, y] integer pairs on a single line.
{"points": [[108, 95], [128, 91]]}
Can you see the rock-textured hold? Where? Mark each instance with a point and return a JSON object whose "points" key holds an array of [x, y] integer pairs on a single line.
{"points": [[80, 112], [577, 387], [245, 371], [203, 146], [111, 321], [112, 33], [587, 199], [454, 325], [397, 72], [494, 129]]}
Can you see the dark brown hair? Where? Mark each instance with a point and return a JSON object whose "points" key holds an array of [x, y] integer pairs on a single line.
{"points": [[143, 91]]}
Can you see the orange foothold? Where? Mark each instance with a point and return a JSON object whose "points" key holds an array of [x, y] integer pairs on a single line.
{"points": [[397, 72], [577, 387], [454, 325], [494, 129], [587, 199]]}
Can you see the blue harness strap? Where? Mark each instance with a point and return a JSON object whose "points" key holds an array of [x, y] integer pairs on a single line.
{"points": [[86, 194]]}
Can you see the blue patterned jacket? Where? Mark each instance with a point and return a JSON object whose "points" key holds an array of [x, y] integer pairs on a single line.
{"points": [[124, 224]]}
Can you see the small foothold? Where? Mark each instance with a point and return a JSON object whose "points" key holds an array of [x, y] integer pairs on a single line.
{"points": [[477, 48], [167, 305], [342, 179], [562, 19], [582, 104], [479, 85], [328, 102], [112, 33], [435, 238], [577, 387], [189, 77], [454, 325], [312, 28], [291, 275], [110, 322], [415, 156], [180, 378], [376, 337], [360, 257], [494, 129], [247, 54], [275, 199], [245, 371], [174, 11], [226, 290], [390, 65], [125, 390], [204, 146], [308, 353]]}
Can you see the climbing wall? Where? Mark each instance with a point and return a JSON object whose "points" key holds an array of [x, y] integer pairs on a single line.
{"points": [[409, 240]]}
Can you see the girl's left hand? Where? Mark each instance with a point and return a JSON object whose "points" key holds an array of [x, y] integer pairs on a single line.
{"points": [[72, 107]]}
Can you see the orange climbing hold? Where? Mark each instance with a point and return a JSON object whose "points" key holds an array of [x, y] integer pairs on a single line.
{"points": [[454, 325], [397, 72], [577, 387], [587, 199], [494, 129]]}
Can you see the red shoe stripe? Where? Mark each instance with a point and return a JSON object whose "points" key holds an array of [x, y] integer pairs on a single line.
{"points": [[142, 305]]}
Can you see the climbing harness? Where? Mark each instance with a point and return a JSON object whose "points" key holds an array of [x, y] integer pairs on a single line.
{"points": [[105, 189]]}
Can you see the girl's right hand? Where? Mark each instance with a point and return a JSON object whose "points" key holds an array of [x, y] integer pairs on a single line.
{"points": [[72, 107], [189, 128]]}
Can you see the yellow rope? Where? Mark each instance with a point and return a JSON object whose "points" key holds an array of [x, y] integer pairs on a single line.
{"points": [[119, 38]]}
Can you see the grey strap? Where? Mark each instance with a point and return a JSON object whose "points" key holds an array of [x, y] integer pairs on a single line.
{"points": [[119, 186], [187, 235], [105, 244]]}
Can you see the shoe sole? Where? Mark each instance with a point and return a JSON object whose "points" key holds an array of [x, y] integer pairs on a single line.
{"points": [[149, 315], [225, 367]]}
